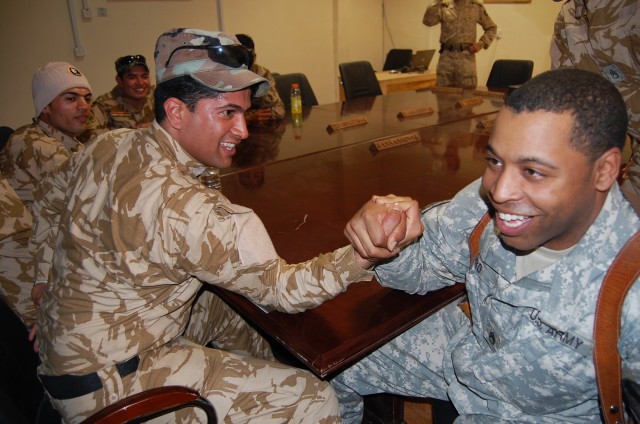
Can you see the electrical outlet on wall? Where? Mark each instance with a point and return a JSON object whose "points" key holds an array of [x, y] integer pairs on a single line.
{"points": [[102, 11]]}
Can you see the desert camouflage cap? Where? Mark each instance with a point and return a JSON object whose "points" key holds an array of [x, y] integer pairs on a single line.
{"points": [[214, 59]]}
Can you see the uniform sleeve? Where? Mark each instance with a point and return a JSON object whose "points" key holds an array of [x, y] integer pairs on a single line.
{"points": [[629, 342], [433, 14], [47, 209], [490, 28], [559, 51], [227, 245], [271, 100]]}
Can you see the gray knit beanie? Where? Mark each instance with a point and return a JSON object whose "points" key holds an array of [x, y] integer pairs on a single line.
{"points": [[52, 79]]}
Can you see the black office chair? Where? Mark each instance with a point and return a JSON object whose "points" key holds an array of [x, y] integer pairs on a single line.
{"points": [[283, 85], [359, 80], [398, 59], [506, 73], [5, 133]]}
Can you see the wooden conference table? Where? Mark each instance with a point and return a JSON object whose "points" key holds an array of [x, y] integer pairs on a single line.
{"points": [[308, 185]]}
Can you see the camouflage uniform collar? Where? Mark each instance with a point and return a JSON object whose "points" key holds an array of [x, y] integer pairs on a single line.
{"points": [[68, 141], [164, 140]]}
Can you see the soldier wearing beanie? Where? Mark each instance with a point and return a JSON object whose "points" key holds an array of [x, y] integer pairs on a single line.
{"points": [[62, 97], [128, 305]]}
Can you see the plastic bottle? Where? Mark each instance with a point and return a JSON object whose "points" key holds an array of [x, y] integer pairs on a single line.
{"points": [[296, 105]]}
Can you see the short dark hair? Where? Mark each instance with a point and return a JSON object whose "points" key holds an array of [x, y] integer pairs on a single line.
{"points": [[599, 113], [246, 41], [184, 88]]}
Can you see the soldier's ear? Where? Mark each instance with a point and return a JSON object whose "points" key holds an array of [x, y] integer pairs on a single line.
{"points": [[607, 168], [174, 109]]}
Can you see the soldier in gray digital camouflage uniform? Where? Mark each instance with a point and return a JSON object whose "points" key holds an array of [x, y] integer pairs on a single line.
{"points": [[558, 220], [270, 106], [603, 36], [130, 103], [132, 238], [458, 39], [62, 97]]}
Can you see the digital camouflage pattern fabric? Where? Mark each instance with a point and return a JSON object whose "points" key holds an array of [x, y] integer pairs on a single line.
{"points": [[458, 29], [527, 354], [603, 36], [135, 237]]}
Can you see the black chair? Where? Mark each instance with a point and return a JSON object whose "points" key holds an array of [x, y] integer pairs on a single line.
{"points": [[359, 80], [398, 59], [283, 85], [5, 133], [506, 73]]}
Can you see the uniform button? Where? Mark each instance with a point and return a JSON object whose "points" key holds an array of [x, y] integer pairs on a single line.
{"points": [[478, 266], [113, 397]]}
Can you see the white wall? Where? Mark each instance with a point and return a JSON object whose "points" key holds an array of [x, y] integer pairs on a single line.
{"points": [[310, 36]]}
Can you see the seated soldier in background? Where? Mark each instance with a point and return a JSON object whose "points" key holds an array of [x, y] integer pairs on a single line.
{"points": [[270, 106], [62, 98], [130, 103]]}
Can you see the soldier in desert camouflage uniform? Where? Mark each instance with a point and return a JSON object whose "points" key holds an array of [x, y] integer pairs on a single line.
{"points": [[130, 103], [62, 97], [15, 270], [458, 46], [270, 106], [559, 219], [138, 239], [603, 36]]}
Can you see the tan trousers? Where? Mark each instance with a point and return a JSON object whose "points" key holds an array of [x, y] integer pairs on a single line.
{"points": [[243, 386]]}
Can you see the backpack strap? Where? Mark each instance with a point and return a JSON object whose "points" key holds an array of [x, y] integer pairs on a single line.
{"points": [[620, 276], [474, 238]]}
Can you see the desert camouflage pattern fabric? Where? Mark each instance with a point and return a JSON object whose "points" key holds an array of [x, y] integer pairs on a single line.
{"points": [[527, 356], [31, 152], [603, 36], [133, 236], [458, 26], [110, 111], [16, 266], [271, 100], [172, 63]]}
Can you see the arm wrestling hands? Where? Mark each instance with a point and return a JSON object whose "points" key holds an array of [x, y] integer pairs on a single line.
{"points": [[382, 227]]}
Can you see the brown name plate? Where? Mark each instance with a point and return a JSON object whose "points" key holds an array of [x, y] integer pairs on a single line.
{"points": [[395, 141], [340, 125], [472, 101], [453, 90], [485, 93], [487, 123], [416, 111]]}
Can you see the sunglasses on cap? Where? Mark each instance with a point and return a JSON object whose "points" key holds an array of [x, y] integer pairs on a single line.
{"points": [[128, 60], [233, 56]]}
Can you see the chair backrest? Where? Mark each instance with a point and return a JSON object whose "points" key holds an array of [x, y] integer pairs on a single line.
{"points": [[508, 72], [359, 79], [398, 59], [283, 85], [5, 133], [152, 403]]}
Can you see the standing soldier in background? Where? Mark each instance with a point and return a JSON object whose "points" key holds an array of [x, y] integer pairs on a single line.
{"points": [[458, 45], [610, 48]]}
